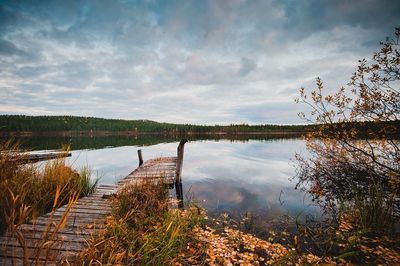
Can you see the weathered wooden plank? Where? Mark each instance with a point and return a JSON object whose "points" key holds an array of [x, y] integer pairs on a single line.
{"points": [[150, 175], [103, 191], [147, 180], [93, 202], [157, 167], [39, 237], [108, 186], [52, 245], [73, 221], [84, 206], [78, 219], [162, 159], [160, 179], [167, 166], [155, 172], [32, 253], [152, 172], [97, 200], [97, 195], [70, 223], [166, 182], [20, 262], [76, 213], [106, 189], [85, 200], [85, 210], [62, 236], [87, 229]]}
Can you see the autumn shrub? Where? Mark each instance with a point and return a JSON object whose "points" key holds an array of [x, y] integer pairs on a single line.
{"points": [[353, 166]]}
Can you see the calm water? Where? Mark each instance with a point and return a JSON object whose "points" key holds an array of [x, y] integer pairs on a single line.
{"points": [[224, 176]]}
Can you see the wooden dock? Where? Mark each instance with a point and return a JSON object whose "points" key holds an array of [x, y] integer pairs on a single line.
{"points": [[23, 158], [41, 243]]}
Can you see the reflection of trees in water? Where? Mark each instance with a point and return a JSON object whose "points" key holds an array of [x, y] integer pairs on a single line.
{"points": [[99, 142]]}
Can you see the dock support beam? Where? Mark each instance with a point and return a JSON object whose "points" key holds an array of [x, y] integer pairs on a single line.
{"points": [[178, 176], [179, 163], [139, 153]]}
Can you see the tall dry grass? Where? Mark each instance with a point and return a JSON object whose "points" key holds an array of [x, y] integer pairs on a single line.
{"points": [[143, 231], [28, 191], [36, 251]]}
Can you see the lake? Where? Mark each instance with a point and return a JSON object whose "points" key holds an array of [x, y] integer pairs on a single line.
{"points": [[238, 177]]}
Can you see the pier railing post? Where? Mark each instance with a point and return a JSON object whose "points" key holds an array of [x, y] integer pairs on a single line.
{"points": [[179, 162], [139, 153]]}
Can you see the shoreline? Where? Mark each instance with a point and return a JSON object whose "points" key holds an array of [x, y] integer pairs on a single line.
{"points": [[136, 134]]}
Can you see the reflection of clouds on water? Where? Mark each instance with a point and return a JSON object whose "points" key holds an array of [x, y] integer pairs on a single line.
{"points": [[237, 196], [245, 177], [223, 176], [255, 161]]}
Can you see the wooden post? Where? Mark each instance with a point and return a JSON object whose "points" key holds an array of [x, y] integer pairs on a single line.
{"points": [[179, 162], [179, 195], [139, 153]]}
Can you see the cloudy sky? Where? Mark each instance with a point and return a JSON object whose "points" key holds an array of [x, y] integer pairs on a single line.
{"points": [[182, 61]]}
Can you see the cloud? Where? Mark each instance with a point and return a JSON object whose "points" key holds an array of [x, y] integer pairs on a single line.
{"points": [[9, 49], [181, 61], [247, 66], [312, 16]]}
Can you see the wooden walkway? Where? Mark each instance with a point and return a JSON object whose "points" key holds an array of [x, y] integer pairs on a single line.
{"points": [[154, 170], [23, 158], [41, 243]]}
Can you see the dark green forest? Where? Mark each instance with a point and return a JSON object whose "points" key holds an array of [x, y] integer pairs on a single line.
{"points": [[72, 125], [22, 123]]}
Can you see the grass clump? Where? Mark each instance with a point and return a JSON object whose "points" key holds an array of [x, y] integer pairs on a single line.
{"points": [[28, 190], [86, 184], [143, 231]]}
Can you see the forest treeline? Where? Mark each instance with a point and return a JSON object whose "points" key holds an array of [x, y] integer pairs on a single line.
{"points": [[54, 124], [22, 123]]}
